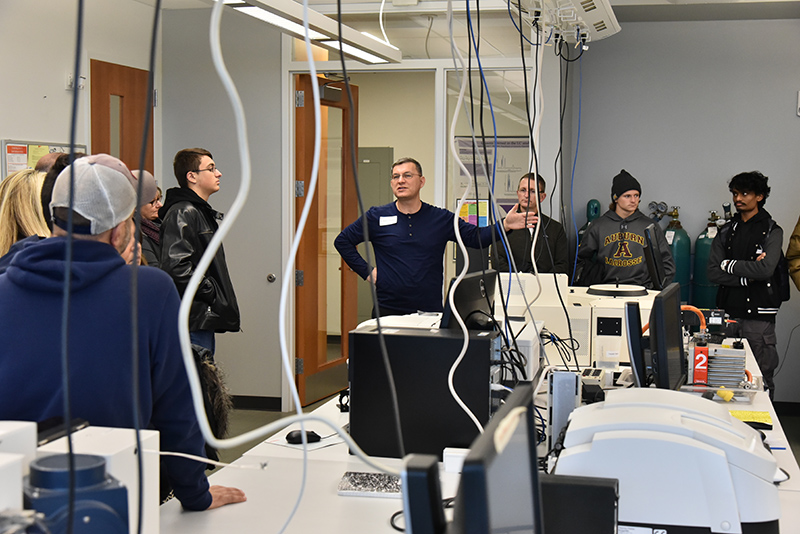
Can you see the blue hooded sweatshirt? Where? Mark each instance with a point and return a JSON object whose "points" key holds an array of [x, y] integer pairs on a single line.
{"points": [[100, 366]]}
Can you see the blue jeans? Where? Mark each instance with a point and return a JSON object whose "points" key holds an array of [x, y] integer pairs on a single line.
{"points": [[204, 338]]}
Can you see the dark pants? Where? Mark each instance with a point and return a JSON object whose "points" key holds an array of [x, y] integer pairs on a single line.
{"points": [[761, 337]]}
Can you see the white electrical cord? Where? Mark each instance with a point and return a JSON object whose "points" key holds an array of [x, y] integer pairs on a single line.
{"points": [[537, 96], [380, 21], [202, 460], [461, 246], [503, 237], [205, 261]]}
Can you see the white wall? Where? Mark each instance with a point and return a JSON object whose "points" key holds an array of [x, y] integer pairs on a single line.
{"points": [[684, 106], [38, 44], [197, 112], [396, 109]]}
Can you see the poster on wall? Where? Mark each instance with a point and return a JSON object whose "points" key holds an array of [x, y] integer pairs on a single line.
{"points": [[21, 155], [16, 158], [511, 162], [474, 213]]}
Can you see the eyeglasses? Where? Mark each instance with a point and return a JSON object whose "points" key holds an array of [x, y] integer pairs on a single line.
{"points": [[213, 170], [405, 176], [156, 201], [524, 191]]}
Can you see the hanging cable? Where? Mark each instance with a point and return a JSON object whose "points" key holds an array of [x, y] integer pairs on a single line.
{"points": [[365, 223], [65, 315], [574, 164], [428, 35], [457, 54], [135, 269], [511, 16], [380, 21], [224, 228]]}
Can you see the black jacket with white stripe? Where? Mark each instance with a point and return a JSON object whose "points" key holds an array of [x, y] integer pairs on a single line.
{"points": [[747, 287]]}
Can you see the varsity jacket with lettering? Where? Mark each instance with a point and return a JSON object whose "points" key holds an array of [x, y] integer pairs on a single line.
{"points": [[747, 289]]}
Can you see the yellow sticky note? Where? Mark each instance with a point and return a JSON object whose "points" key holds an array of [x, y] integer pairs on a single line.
{"points": [[35, 152], [755, 417]]}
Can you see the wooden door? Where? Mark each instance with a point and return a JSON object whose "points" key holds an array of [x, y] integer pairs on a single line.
{"points": [[119, 97], [326, 289]]}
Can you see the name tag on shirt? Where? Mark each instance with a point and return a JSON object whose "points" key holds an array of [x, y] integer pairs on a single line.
{"points": [[386, 221]]}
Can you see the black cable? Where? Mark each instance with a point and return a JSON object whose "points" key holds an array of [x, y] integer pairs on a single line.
{"points": [[531, 120], [563, 84], [535, 158], [566, 58], [513, 365], [68, 276], [520, 362], [365, 224], [563, 347], [446, 503], [135, 269]]}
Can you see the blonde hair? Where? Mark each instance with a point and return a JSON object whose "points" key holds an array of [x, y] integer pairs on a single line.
{"points": [[21, 208]]}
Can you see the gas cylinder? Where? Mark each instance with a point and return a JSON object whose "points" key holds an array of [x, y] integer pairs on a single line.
{"points": [[704, 293], [592, 212], [681, 247]]}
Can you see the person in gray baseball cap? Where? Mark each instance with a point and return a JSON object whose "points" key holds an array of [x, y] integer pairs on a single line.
{"points": [[100, 373]]}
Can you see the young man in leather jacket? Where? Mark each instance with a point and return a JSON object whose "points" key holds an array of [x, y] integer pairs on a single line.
{"points": [[189, 223]]}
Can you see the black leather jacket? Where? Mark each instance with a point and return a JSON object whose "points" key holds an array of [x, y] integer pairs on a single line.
{"points": [[188, 224]]}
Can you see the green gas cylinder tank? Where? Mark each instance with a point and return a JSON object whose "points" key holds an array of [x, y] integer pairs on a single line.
{"points": [[704, 293], [681, 247], [592, 212]]}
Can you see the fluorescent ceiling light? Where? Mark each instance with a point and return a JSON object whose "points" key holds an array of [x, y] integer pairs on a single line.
{"points": [[288, 15], [379, 40], [276, 20], [349, 50]]}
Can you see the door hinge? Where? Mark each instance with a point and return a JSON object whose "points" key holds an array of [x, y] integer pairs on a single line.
{"points": [[155, 98], [298, 278], [299, 188], [299, 99], [298, 366]]}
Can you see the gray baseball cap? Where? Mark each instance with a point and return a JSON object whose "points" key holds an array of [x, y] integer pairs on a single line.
{"points": [[105, 193]]}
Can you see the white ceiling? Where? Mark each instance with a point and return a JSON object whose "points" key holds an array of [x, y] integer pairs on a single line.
{"points": [[421, 30]]}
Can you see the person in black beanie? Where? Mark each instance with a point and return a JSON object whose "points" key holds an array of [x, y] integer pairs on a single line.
{"points": [[612, 249]]}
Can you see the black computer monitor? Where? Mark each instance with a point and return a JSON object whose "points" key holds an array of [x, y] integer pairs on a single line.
{"points": [[633, 324], [652, 257], [666, 339], [499, 488], [474, 299]]}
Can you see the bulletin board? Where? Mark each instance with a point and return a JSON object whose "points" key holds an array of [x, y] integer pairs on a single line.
{"points": [[21, 155]]}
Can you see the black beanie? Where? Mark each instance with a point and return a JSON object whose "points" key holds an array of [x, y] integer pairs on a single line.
{"points": [[624, 182]]}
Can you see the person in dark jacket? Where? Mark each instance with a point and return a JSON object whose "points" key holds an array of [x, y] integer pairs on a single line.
{"points": [[151, 224], [100, 373], [409, 237], [552, 254], [188, 224], [743, 260], [612, 249]]}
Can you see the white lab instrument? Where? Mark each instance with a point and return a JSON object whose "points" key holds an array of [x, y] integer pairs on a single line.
{"points": [[681, 461]]}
